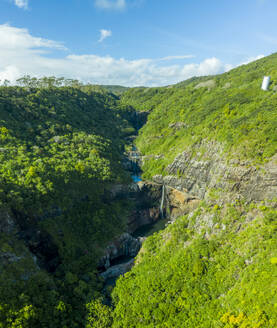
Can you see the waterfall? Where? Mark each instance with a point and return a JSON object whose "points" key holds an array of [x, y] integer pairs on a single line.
{"points": [[162, 202]]}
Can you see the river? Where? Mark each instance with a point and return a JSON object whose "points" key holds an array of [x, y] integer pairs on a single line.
{"points": [[123, 263]]}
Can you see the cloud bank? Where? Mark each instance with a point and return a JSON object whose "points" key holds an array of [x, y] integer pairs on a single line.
{"points": [[21, 53], [251, 59]]}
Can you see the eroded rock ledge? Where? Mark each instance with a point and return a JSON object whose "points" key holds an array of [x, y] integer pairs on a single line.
{"points": [[199, 174]]}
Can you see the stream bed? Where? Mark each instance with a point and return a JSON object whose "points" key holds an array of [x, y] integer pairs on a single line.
{"points": [[120, 257]]}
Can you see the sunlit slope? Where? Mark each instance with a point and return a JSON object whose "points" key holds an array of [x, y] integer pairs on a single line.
{"points": [[230, 108], [216, 266], [220, 277]]}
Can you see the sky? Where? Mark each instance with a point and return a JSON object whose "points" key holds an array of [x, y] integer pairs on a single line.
{"points": [[133, 42]]}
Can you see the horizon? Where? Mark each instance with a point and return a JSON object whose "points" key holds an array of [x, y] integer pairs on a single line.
{"points": [[38, 78]]}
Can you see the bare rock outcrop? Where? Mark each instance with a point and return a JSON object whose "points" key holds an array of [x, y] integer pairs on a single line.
{"points": [[199, 174], [124, 246], [117, 270]]}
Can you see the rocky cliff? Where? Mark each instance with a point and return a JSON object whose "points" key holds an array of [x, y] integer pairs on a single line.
{"points": [[200, 174]]}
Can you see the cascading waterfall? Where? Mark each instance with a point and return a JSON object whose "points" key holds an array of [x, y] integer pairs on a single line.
{"points": [[162, 202]]}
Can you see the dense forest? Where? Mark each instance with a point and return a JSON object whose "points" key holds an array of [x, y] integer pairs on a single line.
{"points": [[61, 148], [62, 145]]}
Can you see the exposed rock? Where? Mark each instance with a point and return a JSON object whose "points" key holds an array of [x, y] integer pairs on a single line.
{"points": [[177, 200], [117, 270], [252, 215], [13, 252], [138, 119], [57, 139], [117, 190], [227, 85], [147, 157], [178, 125], [124, 246], [205, 221], [9, 257], [147, 202], [7, 222], [211, 170], [133, 161], [207, 84], [142, 217]]}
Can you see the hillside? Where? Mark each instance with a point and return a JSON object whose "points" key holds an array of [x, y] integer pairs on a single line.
{"points": [[208, 153], [61, 148], [229, 108], [212, 139]]}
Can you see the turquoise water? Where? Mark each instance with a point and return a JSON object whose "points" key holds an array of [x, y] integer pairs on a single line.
{"points": [[136, 178]]}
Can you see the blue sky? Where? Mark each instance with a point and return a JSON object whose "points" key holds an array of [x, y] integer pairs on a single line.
{"points": [[133, 42]]}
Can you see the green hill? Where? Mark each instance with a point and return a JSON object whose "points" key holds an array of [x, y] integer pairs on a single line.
{"points": [[214, 138], [60, 149], [209, 144], [232, 110], [115, 89]]}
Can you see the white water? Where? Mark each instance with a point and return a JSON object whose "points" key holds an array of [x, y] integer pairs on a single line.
{"points": [[162, 202]]}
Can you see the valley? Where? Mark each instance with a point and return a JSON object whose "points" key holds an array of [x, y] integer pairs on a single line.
{"points": [[152, 207]]}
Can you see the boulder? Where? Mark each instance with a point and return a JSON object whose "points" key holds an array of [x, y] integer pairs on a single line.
{"points": [[117, 270]]}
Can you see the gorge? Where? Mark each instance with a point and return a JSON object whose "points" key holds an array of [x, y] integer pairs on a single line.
{"points": [[153, 208]]}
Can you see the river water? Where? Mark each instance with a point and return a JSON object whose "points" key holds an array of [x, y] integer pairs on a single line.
{"points": [[136, 178], [143, 231]]}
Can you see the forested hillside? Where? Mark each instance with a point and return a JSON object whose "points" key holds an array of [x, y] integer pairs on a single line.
{"points": [[61, 147], [214, 139], [208, 151], [230, 108]]}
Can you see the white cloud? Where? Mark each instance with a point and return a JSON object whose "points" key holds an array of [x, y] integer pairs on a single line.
{"points": [[17, 39], [21, 3], [21, 53], [9, 73], [110, 4], [177, 57], [251, 59], [104, 34]]}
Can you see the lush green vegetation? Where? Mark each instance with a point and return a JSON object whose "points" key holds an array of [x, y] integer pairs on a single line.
{"points": [[115, 89], [144, 99], [208, 278], [230, 108], [61, 148], [217, 267]]}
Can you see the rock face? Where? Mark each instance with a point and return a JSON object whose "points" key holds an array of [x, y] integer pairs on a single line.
{"points": [[13, 251], [177, 202], [125, 246], [207, 84], [147, 202], [7, 222], [145, 197], [196, 175], [180, 203], [117, 270]]}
